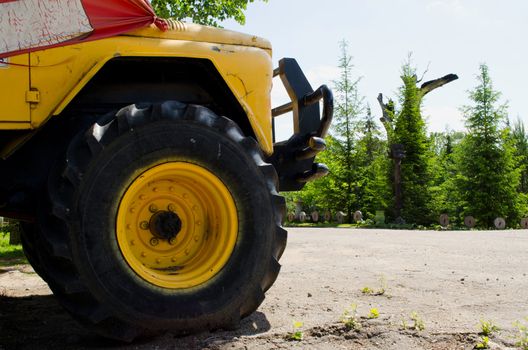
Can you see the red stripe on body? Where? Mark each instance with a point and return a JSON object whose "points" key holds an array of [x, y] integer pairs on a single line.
{"points": [[107, 18]]}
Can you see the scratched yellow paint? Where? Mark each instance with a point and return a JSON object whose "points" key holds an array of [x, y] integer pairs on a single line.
{"points": [[244, 62]]}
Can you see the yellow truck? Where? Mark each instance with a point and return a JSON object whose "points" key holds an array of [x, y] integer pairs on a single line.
{"points": [[144, 171]]}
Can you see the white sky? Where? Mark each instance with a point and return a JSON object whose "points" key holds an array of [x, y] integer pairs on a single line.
{"points": [[453, 36]]}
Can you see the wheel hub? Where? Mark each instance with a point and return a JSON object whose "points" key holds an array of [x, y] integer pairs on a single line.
{"points": [[177, 225], [165, 225]]}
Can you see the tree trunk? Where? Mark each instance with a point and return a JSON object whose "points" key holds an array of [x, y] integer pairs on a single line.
{"points": [[397, 188]]}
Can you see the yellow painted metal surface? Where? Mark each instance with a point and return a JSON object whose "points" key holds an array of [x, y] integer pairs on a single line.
{"points": [[149, 238], [14, 84], [60, 73], [195, 32]]}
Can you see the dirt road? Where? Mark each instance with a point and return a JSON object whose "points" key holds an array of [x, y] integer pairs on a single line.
{"points": [[451, 280]]}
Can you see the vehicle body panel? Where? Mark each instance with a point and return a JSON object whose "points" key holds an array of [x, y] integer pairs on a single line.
{"points": [[14, 83], [58, 74]]}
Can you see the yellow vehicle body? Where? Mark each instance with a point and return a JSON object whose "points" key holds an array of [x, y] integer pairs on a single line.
{"points": [[144, 170], [39, 85]]}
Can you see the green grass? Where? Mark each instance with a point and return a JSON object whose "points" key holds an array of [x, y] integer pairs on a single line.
{"points": [[10, 254], [374, 313], [297, 334], [350, 318], [367, 290], [487, 328], [522, 336], [483, 343], [419, 324]]}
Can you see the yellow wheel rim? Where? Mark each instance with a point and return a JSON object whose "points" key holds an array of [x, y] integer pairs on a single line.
{"points": [[177, 225]]}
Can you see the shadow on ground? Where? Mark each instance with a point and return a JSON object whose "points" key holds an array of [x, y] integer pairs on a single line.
{"points": [[39, 322]]}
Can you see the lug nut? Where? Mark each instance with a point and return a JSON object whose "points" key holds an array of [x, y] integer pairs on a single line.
{"points": [[153, 208], [154, 241], [171, 207], [172, 241], [144, 225]]}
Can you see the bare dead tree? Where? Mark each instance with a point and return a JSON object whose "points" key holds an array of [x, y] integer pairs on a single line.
{"points": [[397, 151]]}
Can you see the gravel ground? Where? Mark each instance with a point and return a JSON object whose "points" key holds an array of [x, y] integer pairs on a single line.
{"points": [[451, 280]]}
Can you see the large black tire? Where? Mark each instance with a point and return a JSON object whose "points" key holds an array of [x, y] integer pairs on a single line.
{"points": [[28, 236], [90, 276]]}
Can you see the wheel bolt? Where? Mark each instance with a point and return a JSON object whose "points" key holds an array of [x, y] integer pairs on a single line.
{"points": [[144, 225], [153, 208], [172, 241], [154, 241], [171, 207]]}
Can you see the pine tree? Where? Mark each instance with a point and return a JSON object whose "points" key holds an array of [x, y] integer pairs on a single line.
{"points": [[406, 132], [372, 167], [520, 139], [410, 131], [487, 179], [349, 105], [445, 197]]}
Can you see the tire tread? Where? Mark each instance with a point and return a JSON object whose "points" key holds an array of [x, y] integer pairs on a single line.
{"points": [[65, 281]]}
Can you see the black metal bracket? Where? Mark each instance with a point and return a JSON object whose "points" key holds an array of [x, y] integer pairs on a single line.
{"points": [[294, 158]]}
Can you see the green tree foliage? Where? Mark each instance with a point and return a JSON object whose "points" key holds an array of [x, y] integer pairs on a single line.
{"points": [[482, 172], [327, 193], [201, 11], [410, 131], [520, 141], [355, 154], [341, 185], [487, 179], [445, 198], [372, 166]]}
